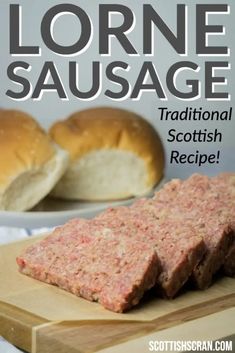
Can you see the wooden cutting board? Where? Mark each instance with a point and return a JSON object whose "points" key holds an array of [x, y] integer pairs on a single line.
{"points": [[36, 334]]}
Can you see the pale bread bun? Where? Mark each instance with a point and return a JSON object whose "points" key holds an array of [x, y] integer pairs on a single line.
{"points": [[114, 154], [30, 163]]}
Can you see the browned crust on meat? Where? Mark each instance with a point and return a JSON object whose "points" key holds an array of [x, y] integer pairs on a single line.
{"points": [[229, 264], [213, 260], [171, 286], [225, 184], [204, 203]]}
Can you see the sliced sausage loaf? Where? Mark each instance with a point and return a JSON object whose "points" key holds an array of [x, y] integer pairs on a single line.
{"points": [[93, 262]]}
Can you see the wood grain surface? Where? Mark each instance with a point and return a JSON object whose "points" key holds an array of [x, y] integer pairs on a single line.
{"points": [[37, 335]]}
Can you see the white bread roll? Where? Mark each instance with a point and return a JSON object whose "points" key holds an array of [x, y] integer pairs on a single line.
{"points": [[114, 154], [30, 162]]}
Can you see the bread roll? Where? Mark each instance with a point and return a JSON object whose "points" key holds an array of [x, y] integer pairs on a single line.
{"points": [[114, 154], [30, 163]]}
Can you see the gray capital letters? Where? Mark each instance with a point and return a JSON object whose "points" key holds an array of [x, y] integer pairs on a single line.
{"points": [[177, 42], [74, 80], [49, 69], [117, 79], [16, 47], [106, 31], [170, 79], [155, 85], [203, 29], [85, 29], [210, 79]]}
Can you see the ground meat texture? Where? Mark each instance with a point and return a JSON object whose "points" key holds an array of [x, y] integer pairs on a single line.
{"points": [[185, 230], [216, 253], [91, 261], [210, 203], [225, 186], [178, 247], [203, 207]]}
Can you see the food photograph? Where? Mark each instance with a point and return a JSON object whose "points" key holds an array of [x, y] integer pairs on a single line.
{"points": [[117, 176]]}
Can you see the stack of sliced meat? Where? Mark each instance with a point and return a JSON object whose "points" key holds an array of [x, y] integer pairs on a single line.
{"points": [[203, 203], [186, 231]]}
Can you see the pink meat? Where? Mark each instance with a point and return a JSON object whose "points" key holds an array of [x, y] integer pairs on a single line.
{"points": [[93, 262]]}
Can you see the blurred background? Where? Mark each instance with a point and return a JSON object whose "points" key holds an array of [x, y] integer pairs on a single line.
{"points": [[67, 30]]}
